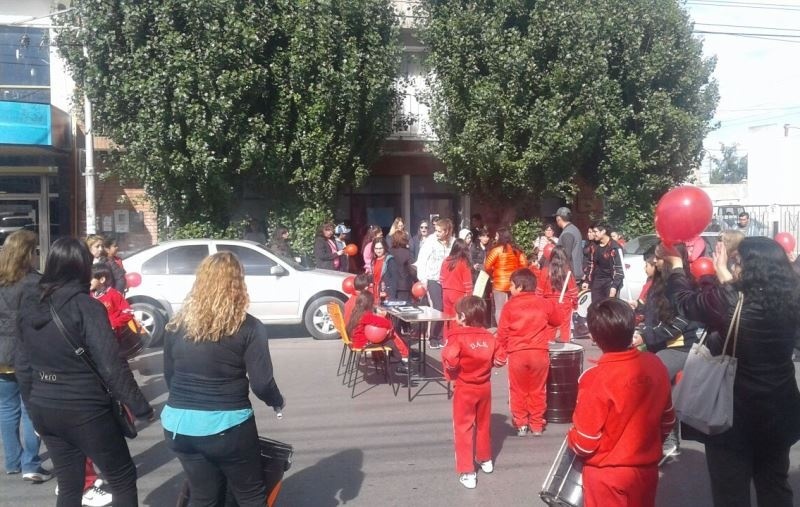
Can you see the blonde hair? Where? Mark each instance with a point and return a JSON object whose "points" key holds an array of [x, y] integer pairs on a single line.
{"points": [[16, 255], [395, 224], [94, 239], [731, 239], [216, 306]]}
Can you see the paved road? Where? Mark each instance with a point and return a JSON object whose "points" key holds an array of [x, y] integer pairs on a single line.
{"points": [[376, 449]]}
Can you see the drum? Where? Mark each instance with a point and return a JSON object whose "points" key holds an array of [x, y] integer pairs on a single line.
{"points": [[131, 339], [566, 365], [584, 300], [563, 486]]}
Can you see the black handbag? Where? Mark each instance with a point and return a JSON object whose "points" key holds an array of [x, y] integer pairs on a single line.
{"points": [[121, 413]]}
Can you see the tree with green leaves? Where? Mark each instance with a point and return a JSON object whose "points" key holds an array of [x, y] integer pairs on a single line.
{"points": [[529, 96], [289, 98], [729, 166]]}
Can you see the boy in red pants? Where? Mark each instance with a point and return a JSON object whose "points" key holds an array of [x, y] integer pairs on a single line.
{"points": [[523, 333], [468, 357], [623, 413]]}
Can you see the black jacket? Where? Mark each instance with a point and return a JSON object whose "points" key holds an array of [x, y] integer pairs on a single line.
{"points": [[215, 375], [323, 256], [404, 273], [10, 300], [51, 375], [117, 273]]}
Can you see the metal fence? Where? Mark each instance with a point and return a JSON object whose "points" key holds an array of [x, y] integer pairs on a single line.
{"points": [[767, 220]]}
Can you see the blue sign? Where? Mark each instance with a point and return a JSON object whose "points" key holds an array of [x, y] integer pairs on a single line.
{"points": [[25, 123]]}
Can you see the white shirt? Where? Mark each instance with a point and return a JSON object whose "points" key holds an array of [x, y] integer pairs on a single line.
{"points": [[432, 254]]}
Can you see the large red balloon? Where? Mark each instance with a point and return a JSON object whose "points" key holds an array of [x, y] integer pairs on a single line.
{"points": [[682, 214], [348, 285], [786, 241], [351, 249], [418, 290], [547, 251], [375, 334], [702, 266], [133, 279]]}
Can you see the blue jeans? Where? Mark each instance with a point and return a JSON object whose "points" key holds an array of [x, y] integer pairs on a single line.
{"points": [[19, 454]]}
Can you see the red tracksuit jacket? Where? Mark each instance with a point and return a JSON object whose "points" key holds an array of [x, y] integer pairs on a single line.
{"points": [[624, 411], [470, 354], [358, 337], [119, 311], [456, 283], [525, 320]]}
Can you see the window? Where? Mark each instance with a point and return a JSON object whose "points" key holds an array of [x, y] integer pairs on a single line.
{"points": [[254, 262], [24, 64], [181, 260]]}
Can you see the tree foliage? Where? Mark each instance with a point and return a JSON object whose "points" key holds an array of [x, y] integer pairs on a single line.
{"points": [[289, 97], [527, 95], [729, 166]]}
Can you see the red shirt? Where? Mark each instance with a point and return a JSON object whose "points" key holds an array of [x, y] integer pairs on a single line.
{"points": [[624, 411], [545, 289], [525, 320], [459, 279], [470, 354], [358, 337], [348, 307], [119, 311]]}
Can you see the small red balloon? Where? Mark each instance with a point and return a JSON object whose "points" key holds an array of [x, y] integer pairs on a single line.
{"points": [[682, 214], [351, 249], [702, 266], [375, 334], [133, 279], [348, 285], [418, 290], [548, 250], [786, 241]]}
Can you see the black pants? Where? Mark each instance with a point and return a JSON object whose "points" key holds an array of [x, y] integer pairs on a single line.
{"points": [[229, 458], [737, 460], [71, 436], [435, 294], [600, 289]]}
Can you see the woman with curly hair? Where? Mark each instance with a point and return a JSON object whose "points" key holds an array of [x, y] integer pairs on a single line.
{"points": [[213, 351], [766, 407]]}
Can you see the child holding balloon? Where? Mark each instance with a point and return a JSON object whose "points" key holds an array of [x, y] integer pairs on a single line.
{"points": [[363, 317]]}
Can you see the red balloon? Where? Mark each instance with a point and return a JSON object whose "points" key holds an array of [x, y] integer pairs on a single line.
{"points": [[786, 241], [418, 290], [696, 248], [548, 250], [682, 214], [702, 266], [375, 334], [133, 279], [351, 249], [348, 285]]}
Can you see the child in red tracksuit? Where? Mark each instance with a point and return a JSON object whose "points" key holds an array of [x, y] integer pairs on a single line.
{"points": [[623, 414], [119, 310], [523, 333], [455, 278], [363, 316], [549, 284], [467, 358], [361, 282]]}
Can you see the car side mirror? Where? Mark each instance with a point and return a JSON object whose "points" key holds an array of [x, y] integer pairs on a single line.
{"points": [[278, 271]]}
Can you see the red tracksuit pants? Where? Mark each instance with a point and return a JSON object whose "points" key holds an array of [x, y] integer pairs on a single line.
{"points": [[527, 385], [620, 486], [472, 415]]}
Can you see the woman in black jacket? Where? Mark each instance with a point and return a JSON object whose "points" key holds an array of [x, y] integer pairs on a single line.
{"points": [[214, 353], [326, 253], [67, 403], [766, 407], [404, 274]]}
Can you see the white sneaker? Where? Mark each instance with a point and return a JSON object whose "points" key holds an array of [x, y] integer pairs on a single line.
{"points": [[469, 480], [487, 466], [96, 496]]}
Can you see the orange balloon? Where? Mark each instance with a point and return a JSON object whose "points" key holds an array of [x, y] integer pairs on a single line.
{"points": [[348, 285], [351, 249], [418, 290]]}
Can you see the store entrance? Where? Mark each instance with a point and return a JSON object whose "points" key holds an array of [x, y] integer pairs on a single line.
{"points": [[36, 212]]}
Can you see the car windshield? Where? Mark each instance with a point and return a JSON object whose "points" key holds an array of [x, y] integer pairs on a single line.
{"points": [[288, 260], [638, 246]]}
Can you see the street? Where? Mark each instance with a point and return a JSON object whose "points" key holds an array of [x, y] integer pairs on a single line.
{"points": [[376, 449]]}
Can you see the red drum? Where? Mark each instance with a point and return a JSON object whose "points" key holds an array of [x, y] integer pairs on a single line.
{"points": [[566, 365], [563, 486]]}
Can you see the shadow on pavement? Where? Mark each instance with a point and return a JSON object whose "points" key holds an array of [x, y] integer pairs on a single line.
{"points": [[153, 458], [501, 430], [333, 481], [167, 494]]}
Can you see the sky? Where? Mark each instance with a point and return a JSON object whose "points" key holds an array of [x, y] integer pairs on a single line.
{"points": [[758, 75]]}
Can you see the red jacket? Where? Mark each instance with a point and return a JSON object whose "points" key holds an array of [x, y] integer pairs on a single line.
{"points": [[470, 354], [624, 411], [456, 282], [358, 337], [500, 262], [119, 311], [545, 289], [525, 320]]}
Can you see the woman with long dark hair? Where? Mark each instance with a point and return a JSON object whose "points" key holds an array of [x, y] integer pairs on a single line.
{"points": [[766, 407], [214, 353], [555, 271], [68, 405], [455, 278], [384, 270], [326, 254], [402, 260], [501, 261]]}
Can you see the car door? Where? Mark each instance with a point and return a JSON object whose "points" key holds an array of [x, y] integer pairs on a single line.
{"points": [[273, 297], [170, 274]]}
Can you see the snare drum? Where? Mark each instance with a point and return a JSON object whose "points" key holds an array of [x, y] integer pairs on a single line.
{"points": [[563, 486], [584, 300]]}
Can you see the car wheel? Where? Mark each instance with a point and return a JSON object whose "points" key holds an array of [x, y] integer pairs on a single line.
{"points": [[317, 320], [153, 320]]}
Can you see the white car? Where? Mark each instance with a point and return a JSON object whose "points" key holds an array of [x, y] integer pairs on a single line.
{"points": [[281, 290]]}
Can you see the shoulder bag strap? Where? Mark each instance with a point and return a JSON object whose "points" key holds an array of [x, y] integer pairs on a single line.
{"points": [[733, 328], [79, 351]]}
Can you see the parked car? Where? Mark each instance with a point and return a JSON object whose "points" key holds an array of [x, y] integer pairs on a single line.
{"points": [[633, 261], [281, 290], [9, 224]]}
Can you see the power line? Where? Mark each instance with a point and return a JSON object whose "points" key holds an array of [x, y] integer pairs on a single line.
{"points": [[751, 27], [746, 5]]}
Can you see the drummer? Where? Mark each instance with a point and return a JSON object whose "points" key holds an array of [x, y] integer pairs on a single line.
{"points": [[623, 413]]}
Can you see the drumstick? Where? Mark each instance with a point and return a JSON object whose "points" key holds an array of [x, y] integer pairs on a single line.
{"points": [[622, 260], [564, 287]]}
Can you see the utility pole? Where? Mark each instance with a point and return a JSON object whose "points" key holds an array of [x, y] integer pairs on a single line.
{"points": [[91, 214]]}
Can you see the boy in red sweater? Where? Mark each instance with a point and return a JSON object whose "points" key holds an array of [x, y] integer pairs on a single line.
{"points": [[119, 311], [467, 358], [623, 413], [523, 333]]}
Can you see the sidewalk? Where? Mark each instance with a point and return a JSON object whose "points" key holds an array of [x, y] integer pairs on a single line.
{"points": [[376, 449]]}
